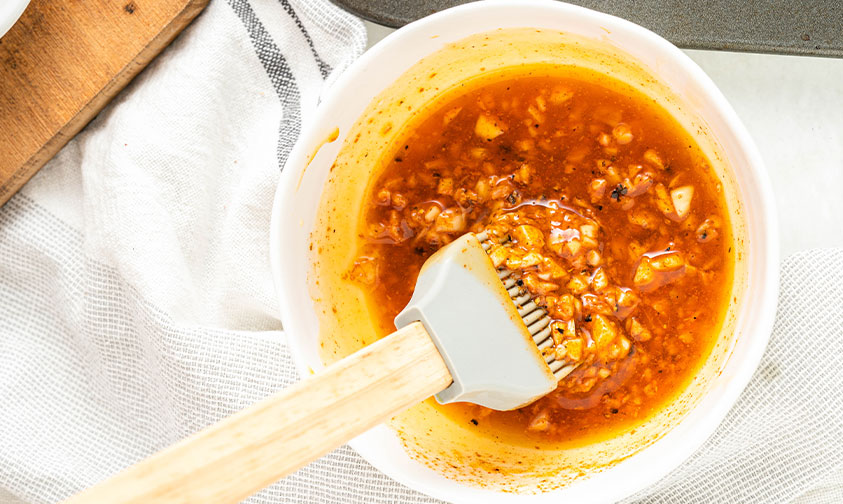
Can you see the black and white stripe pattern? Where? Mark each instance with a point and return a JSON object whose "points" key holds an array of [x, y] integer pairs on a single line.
{"points": [[98, 373], [279, 73]]}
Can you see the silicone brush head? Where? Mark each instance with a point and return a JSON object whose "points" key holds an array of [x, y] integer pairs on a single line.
{"points": [[534, 316], [494, 338]]}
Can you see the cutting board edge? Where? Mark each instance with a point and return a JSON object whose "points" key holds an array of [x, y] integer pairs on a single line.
{"points": [[89, 111]]}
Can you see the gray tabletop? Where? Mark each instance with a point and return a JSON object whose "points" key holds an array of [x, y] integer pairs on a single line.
{"points": [[807, 27]]}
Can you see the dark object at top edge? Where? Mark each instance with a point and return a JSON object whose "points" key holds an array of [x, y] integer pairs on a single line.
{"points": [[794, 27]]}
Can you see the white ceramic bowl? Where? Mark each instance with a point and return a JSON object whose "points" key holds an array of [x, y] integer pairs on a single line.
{"points": [[295, 210], [10, 12]]}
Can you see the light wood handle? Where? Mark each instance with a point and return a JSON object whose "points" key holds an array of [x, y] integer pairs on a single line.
{"points": [[229, 461]]}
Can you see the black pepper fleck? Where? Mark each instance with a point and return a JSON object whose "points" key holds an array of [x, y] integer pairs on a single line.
{"points": [[618, 191]]}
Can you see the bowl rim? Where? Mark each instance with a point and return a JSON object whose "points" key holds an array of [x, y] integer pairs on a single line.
{"points": [[761, 311], [10, 12]]}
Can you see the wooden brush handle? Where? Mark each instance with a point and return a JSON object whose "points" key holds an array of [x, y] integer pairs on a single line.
{"points": [[229, 461]]}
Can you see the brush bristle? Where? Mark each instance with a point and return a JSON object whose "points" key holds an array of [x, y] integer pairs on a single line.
{"points": [[533, 315]]}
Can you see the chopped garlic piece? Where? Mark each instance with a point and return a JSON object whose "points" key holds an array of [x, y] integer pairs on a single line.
{"points": [[681, 197], [488, 128]]}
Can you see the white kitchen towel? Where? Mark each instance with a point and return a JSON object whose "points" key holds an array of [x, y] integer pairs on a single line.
{"points": [[136, 304]]}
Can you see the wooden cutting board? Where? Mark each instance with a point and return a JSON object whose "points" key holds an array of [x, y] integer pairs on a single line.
{"points": [[63, 62]]}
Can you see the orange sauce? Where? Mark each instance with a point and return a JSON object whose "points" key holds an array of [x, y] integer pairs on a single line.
{"points": [[593, 179]]}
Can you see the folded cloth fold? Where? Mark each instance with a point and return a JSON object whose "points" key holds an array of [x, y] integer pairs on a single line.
{"points": [[136, 303]]}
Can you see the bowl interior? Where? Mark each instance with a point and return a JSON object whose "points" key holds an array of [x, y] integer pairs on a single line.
{"points": [[614, 46]]}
